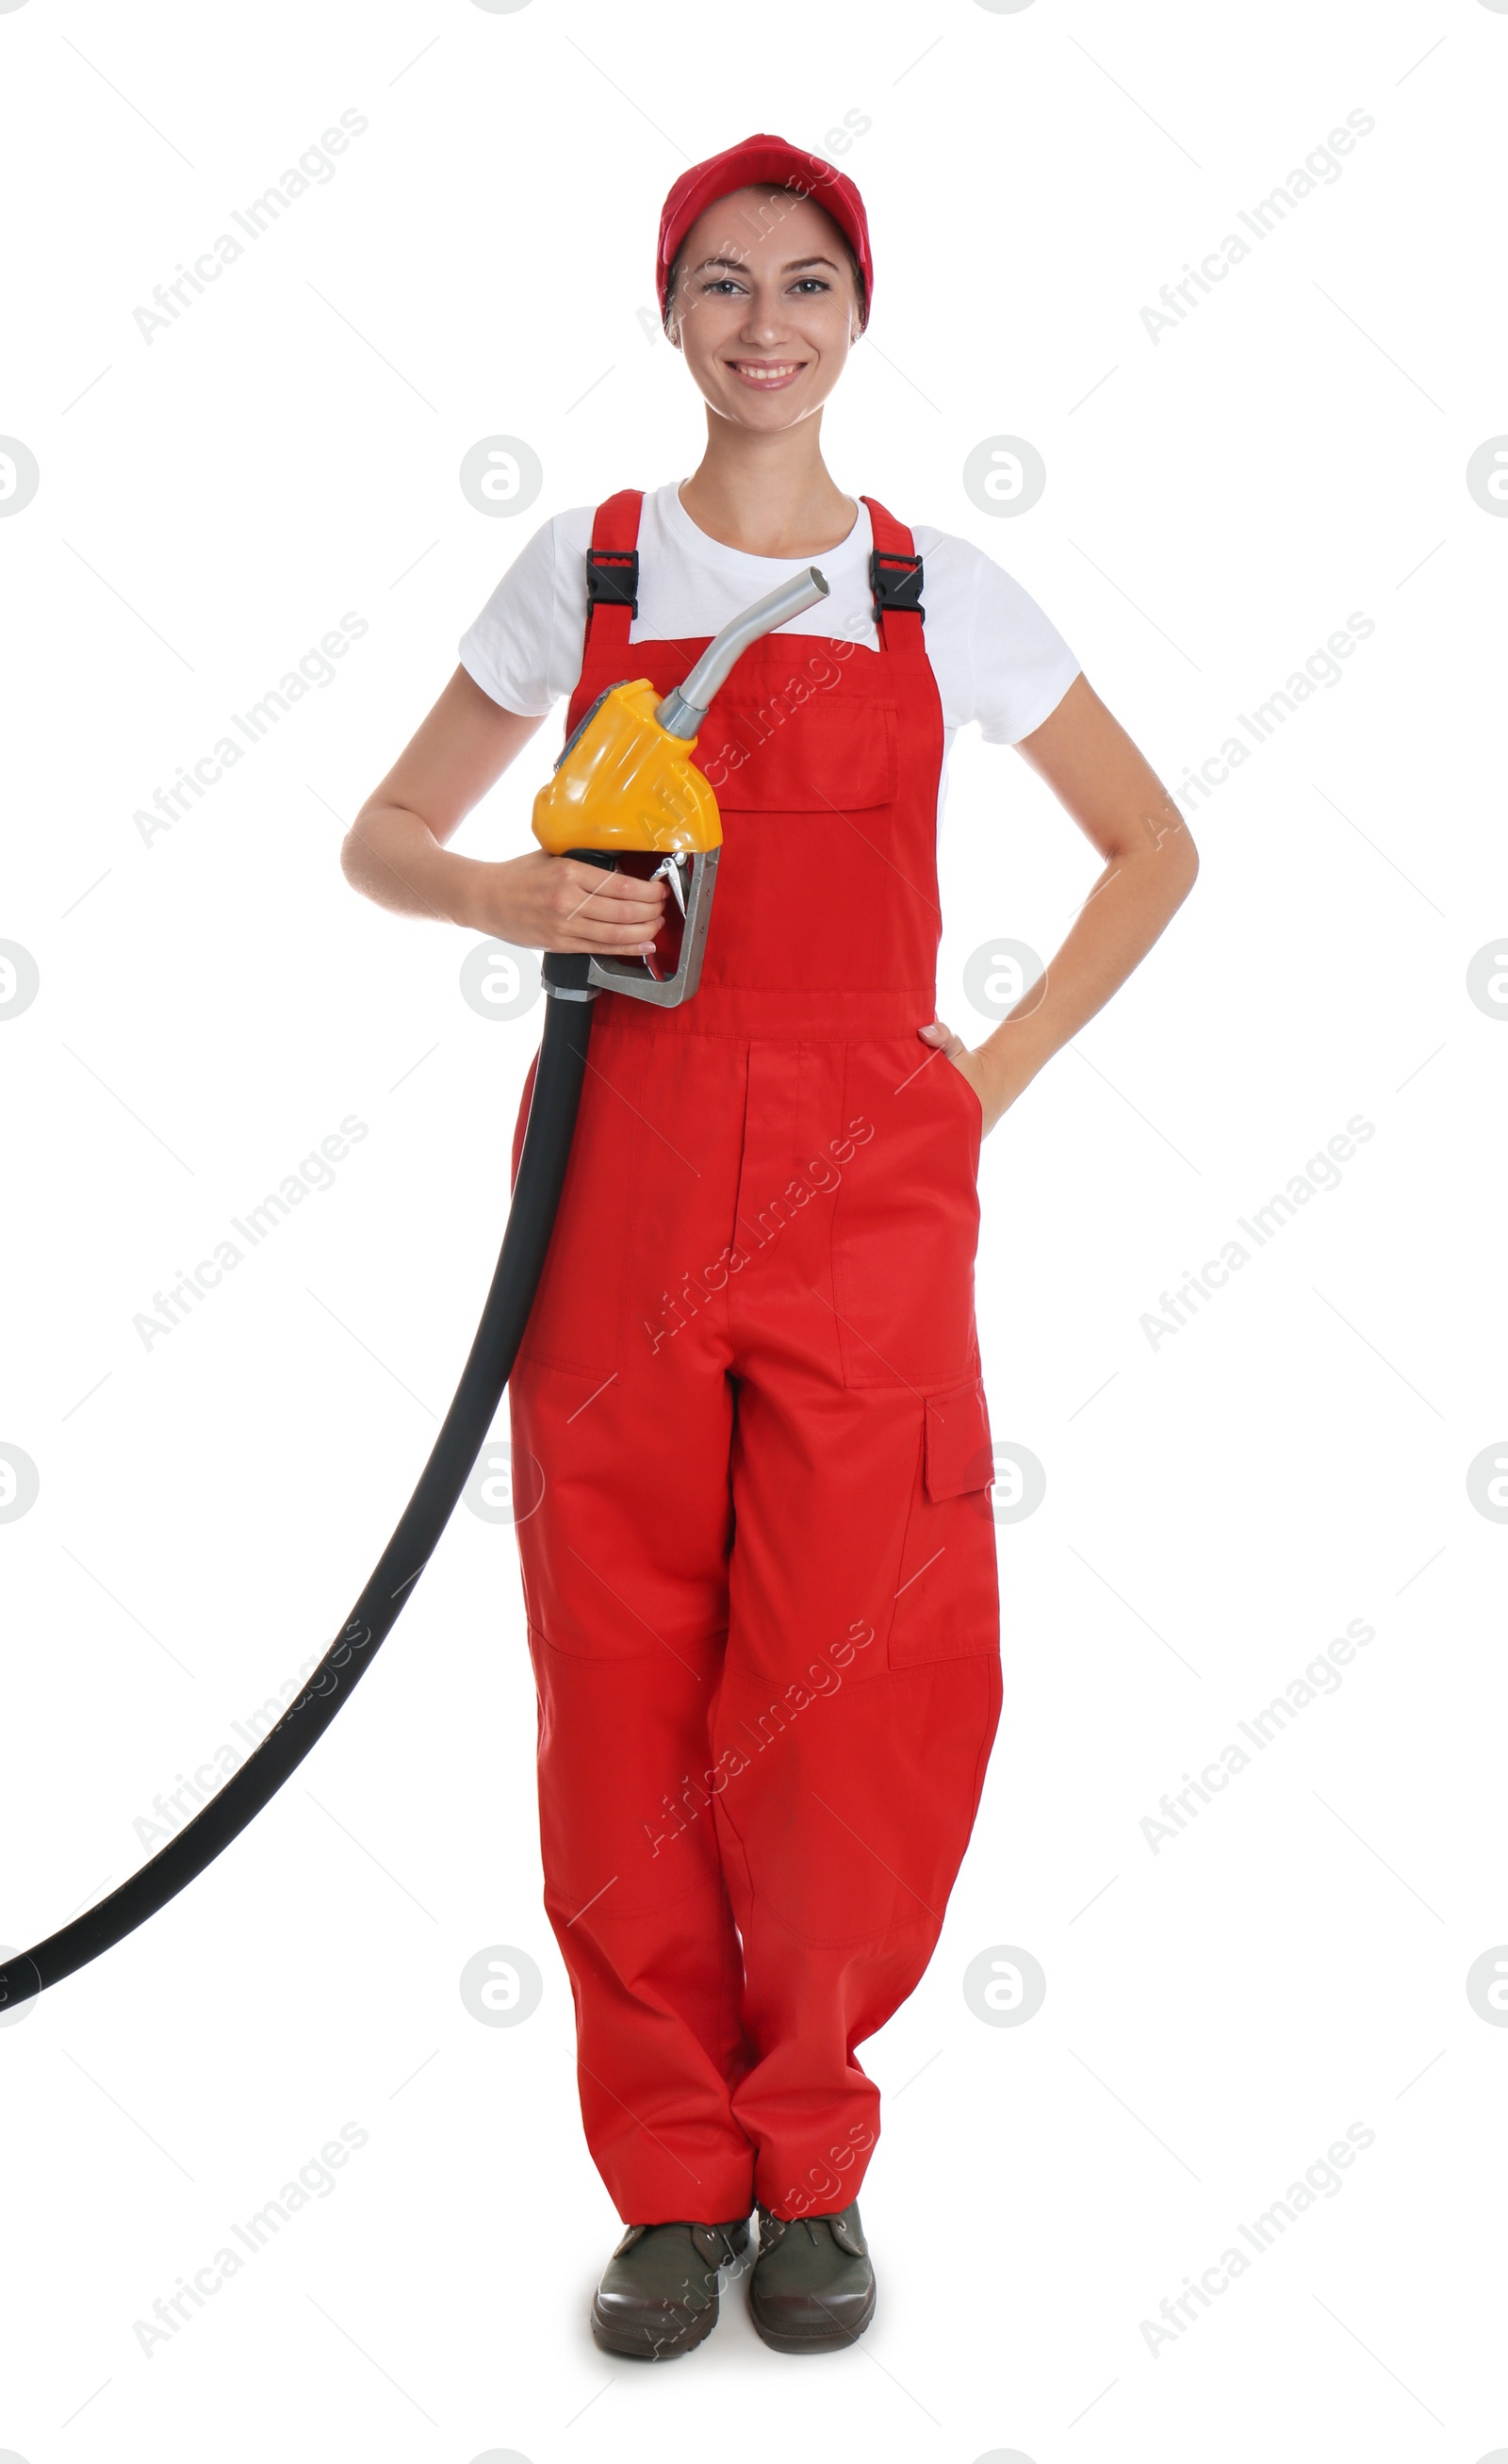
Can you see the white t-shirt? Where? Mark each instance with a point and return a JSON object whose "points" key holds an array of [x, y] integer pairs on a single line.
{"points": [[996, 657]]}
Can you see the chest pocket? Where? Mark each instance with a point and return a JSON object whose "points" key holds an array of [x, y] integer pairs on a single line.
{"points": [[802, 749]]}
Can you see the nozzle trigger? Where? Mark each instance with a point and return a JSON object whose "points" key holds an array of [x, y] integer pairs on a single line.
{"points": [[673, 870]]}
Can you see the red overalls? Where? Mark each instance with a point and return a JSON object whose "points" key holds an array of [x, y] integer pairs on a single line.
{"points": [[760, 1579]]}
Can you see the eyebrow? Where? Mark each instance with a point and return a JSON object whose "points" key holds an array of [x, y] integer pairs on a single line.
{"points": [[740, 265]]}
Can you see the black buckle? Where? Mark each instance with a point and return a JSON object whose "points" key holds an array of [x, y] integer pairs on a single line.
{"points": [[900, 588], [612, 575]]}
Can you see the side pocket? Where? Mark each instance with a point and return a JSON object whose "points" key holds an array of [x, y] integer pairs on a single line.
{"points": [[946, 1604], [975, 1107], [906, 1220]]}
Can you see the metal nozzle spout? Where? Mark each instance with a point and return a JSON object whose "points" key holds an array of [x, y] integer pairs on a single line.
{"points": [[684, 708]]}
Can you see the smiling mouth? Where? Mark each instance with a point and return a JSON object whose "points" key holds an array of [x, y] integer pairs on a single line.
{"points": [[767, 373]]}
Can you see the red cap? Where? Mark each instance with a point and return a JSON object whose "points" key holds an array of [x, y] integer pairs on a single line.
{"points": [[758, 162]]}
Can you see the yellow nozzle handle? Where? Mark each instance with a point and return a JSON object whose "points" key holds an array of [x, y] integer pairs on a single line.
{"points": [[625, 784], [625, 781]]}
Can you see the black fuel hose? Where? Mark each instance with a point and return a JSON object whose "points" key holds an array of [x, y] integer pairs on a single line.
{"points": [[531, 1219]]}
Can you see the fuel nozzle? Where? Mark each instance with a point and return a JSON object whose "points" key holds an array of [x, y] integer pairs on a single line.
{"points": [[627, 796], [684, 708]]}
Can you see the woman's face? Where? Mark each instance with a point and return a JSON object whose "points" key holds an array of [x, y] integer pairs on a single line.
{"points": [[765, 307]]}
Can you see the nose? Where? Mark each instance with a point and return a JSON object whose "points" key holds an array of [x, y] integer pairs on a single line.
{"points": [[764, 326]]}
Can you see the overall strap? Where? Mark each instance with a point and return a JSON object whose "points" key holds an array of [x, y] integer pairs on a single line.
{"points": [[612, 570], [895, 579]]}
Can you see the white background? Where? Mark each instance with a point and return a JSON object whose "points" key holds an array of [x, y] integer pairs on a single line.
{"points": [[211, 1006]]}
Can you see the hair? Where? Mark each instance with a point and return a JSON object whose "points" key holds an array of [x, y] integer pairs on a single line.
{"points": [[773, 189]]}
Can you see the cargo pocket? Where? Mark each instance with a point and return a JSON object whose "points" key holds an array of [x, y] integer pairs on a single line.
{"points": [[947, 1601]]}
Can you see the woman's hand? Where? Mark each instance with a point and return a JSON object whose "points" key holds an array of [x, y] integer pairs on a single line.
{"points": [[1118, 801], [550, 902], [943, 1040]]}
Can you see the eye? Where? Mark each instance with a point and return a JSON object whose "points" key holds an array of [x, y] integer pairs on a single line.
{"points": [[813, 281], [723, 282]]}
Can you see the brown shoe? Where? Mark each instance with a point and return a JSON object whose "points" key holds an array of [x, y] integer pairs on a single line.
{"points": [[812, 2289], [658, 2294]]}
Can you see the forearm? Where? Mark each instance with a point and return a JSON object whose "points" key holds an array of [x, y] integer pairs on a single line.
{"points": [[393, 857], [534, 901], [1129, 907]]}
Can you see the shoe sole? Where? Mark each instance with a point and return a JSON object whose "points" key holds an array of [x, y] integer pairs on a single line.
{"points": [[614, 2337], [826, 2339]]}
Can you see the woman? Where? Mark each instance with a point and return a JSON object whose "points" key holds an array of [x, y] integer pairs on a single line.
{"points": [[760, 1577]]}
